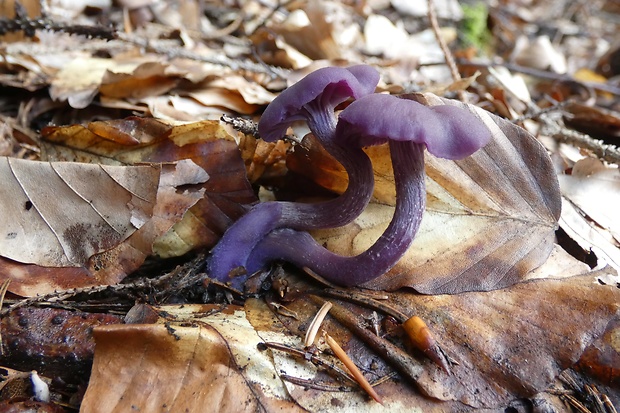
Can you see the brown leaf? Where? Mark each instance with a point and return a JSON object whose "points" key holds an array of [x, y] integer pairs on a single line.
{"points": [[490, 218], [195, 367], [148, 79], [112, 265], [601, 359], [75, 210], [512, 343]]}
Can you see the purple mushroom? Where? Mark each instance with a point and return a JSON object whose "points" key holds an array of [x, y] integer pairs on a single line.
{"points": [[446, 131], [313, 99]]}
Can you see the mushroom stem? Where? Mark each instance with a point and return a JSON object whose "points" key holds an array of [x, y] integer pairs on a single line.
{"points": [[302, 250], [240, 239]]}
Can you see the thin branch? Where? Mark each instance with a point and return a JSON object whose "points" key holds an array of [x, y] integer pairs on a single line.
{"points": [[454, 71], [184, 276], [542, 74], [603, 151], [306, 355], [176, 51], [313, 384]]}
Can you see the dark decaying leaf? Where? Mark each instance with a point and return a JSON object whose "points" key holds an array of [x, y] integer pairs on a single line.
{"points": [[490, 218], [54, 342], [601, 359]]}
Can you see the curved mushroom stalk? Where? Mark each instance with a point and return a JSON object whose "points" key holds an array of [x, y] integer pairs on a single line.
{"points": [[233, 250], [446, 131], [301, 249], [314, 99]]}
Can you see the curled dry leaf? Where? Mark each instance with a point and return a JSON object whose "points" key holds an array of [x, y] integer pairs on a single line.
{"points": [[137, 140], [490, 218], [100, 260]]}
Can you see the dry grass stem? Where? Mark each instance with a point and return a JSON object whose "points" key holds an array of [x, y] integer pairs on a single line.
{"points": [[342, 356], [313, 329]]}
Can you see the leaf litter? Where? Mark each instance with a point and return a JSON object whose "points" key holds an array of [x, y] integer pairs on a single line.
{"points": [[504, 345]]}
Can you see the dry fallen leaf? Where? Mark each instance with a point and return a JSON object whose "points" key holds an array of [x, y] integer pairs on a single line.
{"points": [[595, 189], [208, 362], [59, 214], [111, 264], [490, 218]]}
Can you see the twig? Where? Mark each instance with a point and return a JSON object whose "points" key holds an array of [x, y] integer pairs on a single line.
{"points": [[454, 71], [182, 273], [603, 87], [317, 361], [312, 384], [242, 125], [365, 301], [609, 153], [22, 22]]}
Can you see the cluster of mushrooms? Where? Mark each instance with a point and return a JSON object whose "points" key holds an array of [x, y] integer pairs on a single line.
{"points": [[276, 231]]}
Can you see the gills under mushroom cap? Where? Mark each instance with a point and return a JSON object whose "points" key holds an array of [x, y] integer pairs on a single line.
{"points": [[320, 91]]}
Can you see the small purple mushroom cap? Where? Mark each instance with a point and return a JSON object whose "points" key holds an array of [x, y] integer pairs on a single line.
{"points": [[315, 97], [447, 131]]}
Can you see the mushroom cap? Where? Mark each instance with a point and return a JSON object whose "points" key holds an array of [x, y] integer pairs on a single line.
{"points": [[321, 90], [447, 131]]}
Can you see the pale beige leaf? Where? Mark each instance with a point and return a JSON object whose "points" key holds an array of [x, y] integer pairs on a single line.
{"points": [[595, 189], [589, 236], [75, 210]]}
